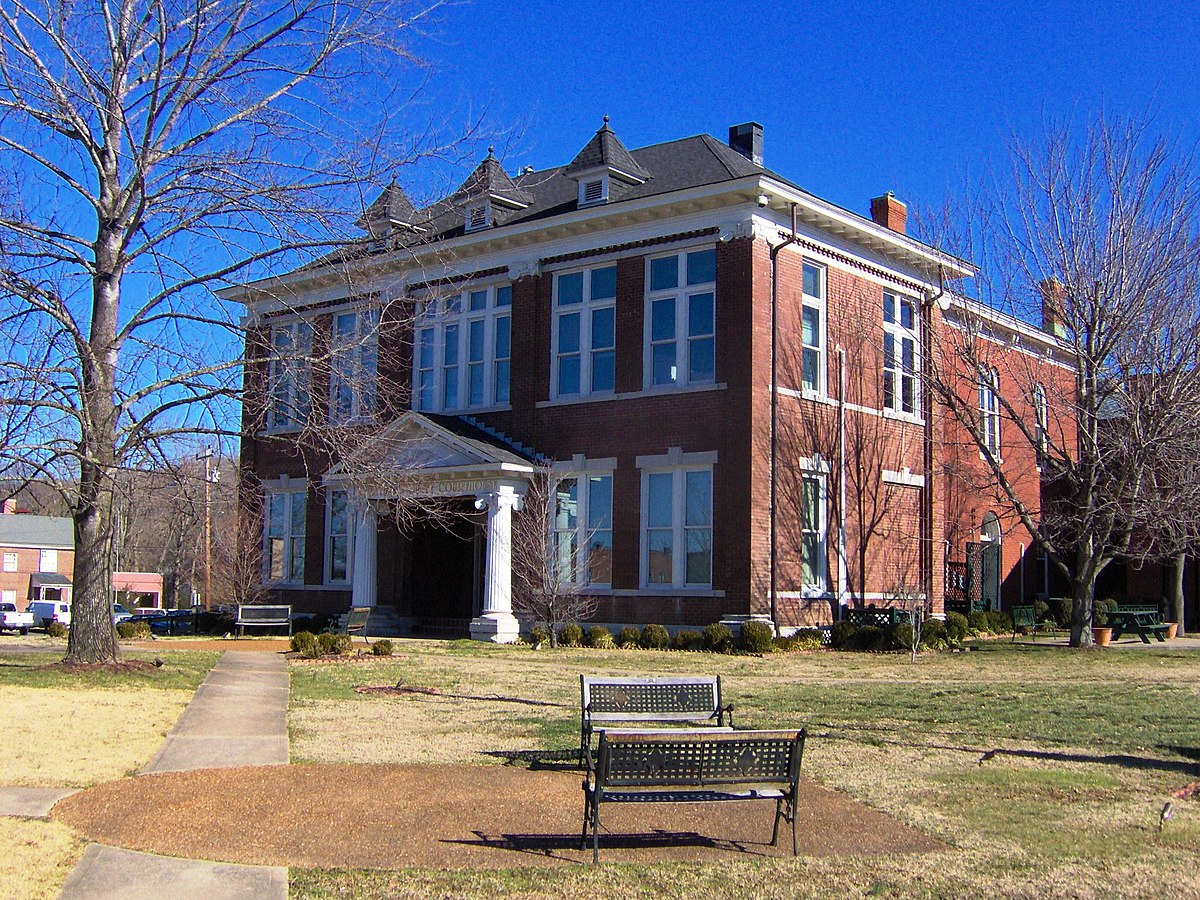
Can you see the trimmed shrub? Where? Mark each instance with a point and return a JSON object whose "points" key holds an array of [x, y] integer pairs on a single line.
{"points": [[999, 622], [1041, 610], [842, 635], [333, 644], [134, 631], [539, 636], [899, 636], [301, 639], [629, 637], [600, 638], [718, 638], [571, 635], [1100, 611], [977, 621], [808, 639], [933, 633], [383, 648], [957, 628], [869, 637], [1060, 608], [687, 640], [59, 630], [655, 637], [312, 650], [756, 637]]}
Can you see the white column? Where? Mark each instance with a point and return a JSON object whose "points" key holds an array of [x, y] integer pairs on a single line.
{"points": [[497, 623], [363, 584]]}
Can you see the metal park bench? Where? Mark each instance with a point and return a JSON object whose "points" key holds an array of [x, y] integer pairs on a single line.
{"points": [[1026, 617], [650, 700], [1141, 620], [260, 615], [356, 621], [692, 767]]}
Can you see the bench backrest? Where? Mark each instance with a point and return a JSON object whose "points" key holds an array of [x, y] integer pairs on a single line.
{"points": [[1023, 617], [260, 613], [1138, 610], [699, 759], [650, 698], [357, 618]]}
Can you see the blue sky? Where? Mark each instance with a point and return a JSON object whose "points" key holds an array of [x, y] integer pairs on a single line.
{"points": [[855, 99]]}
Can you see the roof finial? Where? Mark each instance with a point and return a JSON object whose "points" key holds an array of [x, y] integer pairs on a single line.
{"points": [[491, 150], [606, 120]]}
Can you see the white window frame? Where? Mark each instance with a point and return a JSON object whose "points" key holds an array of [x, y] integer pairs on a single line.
{"points": [[895, 364], [682, 340], [11, 561], [677, 465], [814, 469], [288, 490], [452, 315], [351, 529], [989, 410], [582, 471], [1041, 422], [810, 301], [289, 377], [359, 353], [587, 352], [48, 560]]}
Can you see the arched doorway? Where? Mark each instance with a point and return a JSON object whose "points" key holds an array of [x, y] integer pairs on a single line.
{"points": [[990, 540]]}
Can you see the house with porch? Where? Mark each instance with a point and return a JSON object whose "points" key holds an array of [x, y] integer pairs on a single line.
{"points": [[717, 372]]}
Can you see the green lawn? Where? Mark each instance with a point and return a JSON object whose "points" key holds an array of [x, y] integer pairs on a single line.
{"points": [[1091, 744], [182, 670]]}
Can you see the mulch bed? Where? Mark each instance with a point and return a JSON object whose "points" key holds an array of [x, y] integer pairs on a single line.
{"points": [[448, 817]]}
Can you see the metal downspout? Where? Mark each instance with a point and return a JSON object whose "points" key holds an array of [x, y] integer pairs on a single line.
{"points": [[775, 249], [927, 543], [842, 574]]}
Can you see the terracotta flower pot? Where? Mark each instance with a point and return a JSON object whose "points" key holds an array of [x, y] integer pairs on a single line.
{"points": [[1172, 629], [1102, 636]]}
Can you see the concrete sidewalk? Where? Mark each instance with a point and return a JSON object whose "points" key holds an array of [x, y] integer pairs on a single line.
{"points": [[238, 717]]}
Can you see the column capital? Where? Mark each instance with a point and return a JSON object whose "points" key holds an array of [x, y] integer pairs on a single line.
{"points": [[503, 497]]}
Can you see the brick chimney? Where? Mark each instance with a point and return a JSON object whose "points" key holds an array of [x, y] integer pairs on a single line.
{"points": [[1054, 295], [889, 212], [747, 139]]}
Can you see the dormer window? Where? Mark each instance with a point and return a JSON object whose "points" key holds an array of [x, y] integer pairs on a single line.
{"points": [[593, 191], [478, 216]]}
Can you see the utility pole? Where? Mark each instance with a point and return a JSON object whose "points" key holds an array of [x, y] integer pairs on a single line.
{"points": [[210, 476]]}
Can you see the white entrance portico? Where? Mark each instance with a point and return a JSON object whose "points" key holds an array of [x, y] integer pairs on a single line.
{"points": [[431, 459]]}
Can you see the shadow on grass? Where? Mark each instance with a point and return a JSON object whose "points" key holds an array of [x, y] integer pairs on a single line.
{"points": [[540, 760]]}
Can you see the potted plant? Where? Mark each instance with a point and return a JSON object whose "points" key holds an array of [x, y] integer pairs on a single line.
{"points": [[1101, 630]]}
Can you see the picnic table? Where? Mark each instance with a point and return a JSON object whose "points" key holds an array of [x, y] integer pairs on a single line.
{"points": [[1143, 620]]}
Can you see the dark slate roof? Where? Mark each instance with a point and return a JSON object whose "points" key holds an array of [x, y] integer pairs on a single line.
{"points": [[487, 441], [392, 207], [49, 532], [673, 166], [606, 150]]}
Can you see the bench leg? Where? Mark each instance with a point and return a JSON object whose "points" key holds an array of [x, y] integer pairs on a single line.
{"points": [[775, 827], [596, 831]]}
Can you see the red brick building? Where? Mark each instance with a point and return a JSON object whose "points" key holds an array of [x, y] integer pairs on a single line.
{"points": [[611, 320]]}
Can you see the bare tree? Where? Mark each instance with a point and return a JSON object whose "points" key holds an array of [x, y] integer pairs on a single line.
{"points": [[551, 565], [162, 149], [1100, 233]]}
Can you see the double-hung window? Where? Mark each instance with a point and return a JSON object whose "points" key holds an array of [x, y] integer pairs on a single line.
{"points": [[582, 527], [901, 362], [811, 330], [681, 319], [1041, 425], [339, 531], [463, 351], [989, 410], [283, 536], [288, 402], [677, 532], [10, 561], [585, 333], [813, 574], [352, 384]]}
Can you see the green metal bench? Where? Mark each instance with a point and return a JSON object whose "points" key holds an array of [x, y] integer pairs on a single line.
{"points": [[1143, 620], [650, 700], [356, 621], [692, 767], [1025, 616], [263, 615]]}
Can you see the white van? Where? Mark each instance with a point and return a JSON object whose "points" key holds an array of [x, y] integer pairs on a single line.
{"points": [[47, 611]]}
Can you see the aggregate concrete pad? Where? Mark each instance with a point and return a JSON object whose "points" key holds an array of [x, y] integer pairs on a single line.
{"points": [[179, 753], [30, 803], [108, 872], [378, 816]]}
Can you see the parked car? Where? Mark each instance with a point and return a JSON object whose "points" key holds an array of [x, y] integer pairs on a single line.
{"points": [[120, 614], [174, 621], [11, 620], [47, 611], [141, 612]]}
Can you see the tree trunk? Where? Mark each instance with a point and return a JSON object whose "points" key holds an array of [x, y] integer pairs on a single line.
{"points": [[1177, 591], [1082, 602], [92, 638]]}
